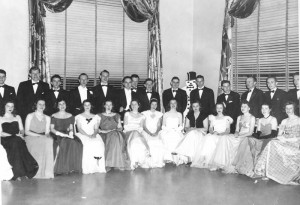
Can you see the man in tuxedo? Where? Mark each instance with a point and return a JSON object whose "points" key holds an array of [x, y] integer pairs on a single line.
{"points": [[125, 96], [7, 93], [146, 95], [29, 91], [175, 93], [254, 96], [103, 91], [204, 95], [294, 94], [231, 102], [134, 83], [55, 93], [276, 98], [79, 94]]}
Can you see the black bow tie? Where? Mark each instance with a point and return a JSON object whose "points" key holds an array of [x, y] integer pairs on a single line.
{"points": [[148, 92], [272, 91], [1, 86], [200, 88], [104, 85], [174, 91], [34, 84], [226, 94], [55, 90]]}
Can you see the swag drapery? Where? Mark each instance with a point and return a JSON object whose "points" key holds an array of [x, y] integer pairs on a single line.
{"points": [[140, 11], [38, 50], [237, 9]]}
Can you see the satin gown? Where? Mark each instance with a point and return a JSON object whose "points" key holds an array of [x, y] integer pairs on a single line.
{"points": [[154, 142], [137, 146], [6, 172], [280, 160], [23, 164], [68, 151], [208, 144], [115, 145], [41, 148], [93, 157]]}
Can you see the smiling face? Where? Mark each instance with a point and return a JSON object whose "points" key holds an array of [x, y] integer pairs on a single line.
{"points": [[87, 106], [173, 104], [175, 84], [149, 85], [40, 106], [200, 82], [245, 108], [108, 106], [265, 110], [219, 108], [289, 109], [127, 83], [250, 83], [134, 106], [272, 84], [56, 83], [296, 81], [83, 80], [153, 105], [35, 75], [62, 105], [196, 107], [104, 77], [226, 88], [9, 108], [135, 82], [2, 78]]}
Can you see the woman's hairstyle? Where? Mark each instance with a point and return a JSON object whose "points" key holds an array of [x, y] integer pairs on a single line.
{"points": [[103, 105], [3, 108], [290, 103], [87, 101], [169, 105], [138, 102], [266, 104], [154, 100], [34, 107], [245, 102], [215, 113], [58, 101]]}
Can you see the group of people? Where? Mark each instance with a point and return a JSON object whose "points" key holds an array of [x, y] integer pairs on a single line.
{"points": [[103, 128]]}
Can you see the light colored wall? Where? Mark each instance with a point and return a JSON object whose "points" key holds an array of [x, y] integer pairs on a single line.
{"points": [[176, 18], [207, 38], [14, 40]]}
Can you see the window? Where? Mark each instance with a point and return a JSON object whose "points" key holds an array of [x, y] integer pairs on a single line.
{"points": [[266, 43], [93, 35]]}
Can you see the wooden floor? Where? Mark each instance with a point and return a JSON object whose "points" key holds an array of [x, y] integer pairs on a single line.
{"points": [[170, 185]]}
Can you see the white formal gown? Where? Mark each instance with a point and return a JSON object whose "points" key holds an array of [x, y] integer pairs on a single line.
{"points": [[5, 168]]}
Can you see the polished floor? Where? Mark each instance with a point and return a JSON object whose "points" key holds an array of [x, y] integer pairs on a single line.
{"points": [[170, 185]]}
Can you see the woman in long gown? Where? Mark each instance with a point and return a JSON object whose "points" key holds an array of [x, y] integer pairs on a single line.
{"points": [[227, 145], [196, 126], [6, 172], [251, 146], [38, 140], [219, 126], [93, 159], [171, 134], [152, 126], [12, 139], [280, 160], [137, 146], [112, 136], [67, 148]]}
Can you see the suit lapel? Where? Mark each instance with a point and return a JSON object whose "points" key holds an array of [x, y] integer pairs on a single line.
{"points": [[39, 88], [253, 94]]}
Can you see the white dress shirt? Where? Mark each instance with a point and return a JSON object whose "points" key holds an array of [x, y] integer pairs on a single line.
{"points": [[249, 94], [149, 93], [128, 97], [298, 94], [201, 91], [2, 91], [56, 92], [104, 88], [82, 93], [35, 86], [174, 93], [272, 93]]}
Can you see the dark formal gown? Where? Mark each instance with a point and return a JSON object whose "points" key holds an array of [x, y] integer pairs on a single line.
{"points": [[69, 156], [115, 145], [17, 153]]}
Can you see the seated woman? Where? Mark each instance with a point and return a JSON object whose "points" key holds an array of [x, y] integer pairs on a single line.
{"points": [[93, 159], [38, 140], [227, 145], [152, 126], [251, 146], [112, 136], [137, 146], [280, 160], [171, 133], [196, 125], [68, 150], [12, 139], [6, 172], [219, 126]]}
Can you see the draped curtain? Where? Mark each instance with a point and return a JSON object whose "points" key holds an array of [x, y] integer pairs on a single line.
{"points": [[237, 9], [140, 11], [38, 48]]}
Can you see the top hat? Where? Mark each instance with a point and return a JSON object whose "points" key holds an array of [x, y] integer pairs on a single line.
{"points": [[191, 75]]}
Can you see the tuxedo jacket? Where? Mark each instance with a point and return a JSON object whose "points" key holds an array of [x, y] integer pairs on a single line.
{"points": [[76, 104], [277, 104], [121, 98], [292, 96], [207, 99], [9, 94], [255, 102], [180, 96], [100, 98], [232, 104], [51, 100], [26, 96], [139, 89], [145, 102]]}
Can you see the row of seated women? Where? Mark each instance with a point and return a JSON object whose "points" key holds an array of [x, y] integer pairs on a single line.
{"points": [[150, 139]]}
